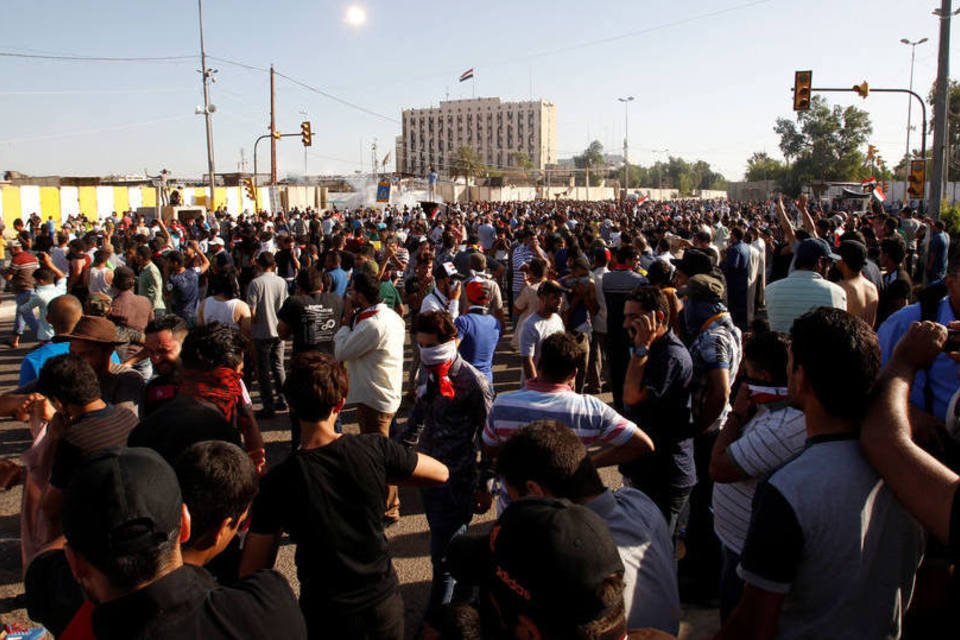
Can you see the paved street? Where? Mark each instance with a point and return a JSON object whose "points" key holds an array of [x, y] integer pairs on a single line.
{"points": [[408, 538]]}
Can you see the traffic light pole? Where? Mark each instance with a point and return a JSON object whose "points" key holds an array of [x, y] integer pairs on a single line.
{"points": [[264, 137], [923, 111]]}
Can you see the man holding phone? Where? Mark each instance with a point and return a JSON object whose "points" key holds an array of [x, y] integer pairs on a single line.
{"points": [[656, 394]]}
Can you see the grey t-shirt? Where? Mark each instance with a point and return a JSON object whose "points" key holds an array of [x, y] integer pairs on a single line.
{"points": [[828, 534], [265, 295]]}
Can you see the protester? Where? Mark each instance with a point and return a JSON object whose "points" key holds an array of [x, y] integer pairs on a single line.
{"points": [[546, 459], [370, 344], [329, 497], [830, 551], [541, 324], [445, 423], [125, 521]]}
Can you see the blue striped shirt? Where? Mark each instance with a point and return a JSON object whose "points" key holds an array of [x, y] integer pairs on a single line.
{"points": [[593, 421]]}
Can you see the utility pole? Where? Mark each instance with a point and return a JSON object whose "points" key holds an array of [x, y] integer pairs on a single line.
{"points": [[206, 73], [626, 134], [940, 124], [273, 130], [373, 163]]}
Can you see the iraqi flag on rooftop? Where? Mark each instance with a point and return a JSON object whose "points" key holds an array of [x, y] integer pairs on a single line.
{"points": [[466, 75]]}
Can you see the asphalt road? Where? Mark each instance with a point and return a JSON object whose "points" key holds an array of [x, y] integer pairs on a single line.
{"points": [[408, 538]]}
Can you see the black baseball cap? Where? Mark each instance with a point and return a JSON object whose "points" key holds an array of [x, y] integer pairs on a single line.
{"points": [[443, 270], [694, 262], [812, 249], [545, 557], [121, 502]]}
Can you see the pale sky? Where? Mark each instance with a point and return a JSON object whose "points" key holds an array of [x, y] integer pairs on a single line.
{"points": [[710, 77]]}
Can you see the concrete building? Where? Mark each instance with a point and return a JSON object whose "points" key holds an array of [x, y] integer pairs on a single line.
{"points": [[497, 131]]}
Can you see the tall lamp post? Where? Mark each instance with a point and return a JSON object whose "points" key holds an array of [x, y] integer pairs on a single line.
{"points": [[913, 51], [208, 109], [626, 147]]}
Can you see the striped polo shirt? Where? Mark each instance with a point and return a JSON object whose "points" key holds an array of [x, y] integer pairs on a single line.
{"points": [[93, 432], [593, 421], [776, 435], [798, 293]]}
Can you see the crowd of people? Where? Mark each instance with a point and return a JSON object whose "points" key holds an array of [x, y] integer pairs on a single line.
{"points": [[783, 420]]}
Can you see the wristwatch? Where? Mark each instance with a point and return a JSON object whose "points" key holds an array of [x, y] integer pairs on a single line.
{"points": [[639, 352]]}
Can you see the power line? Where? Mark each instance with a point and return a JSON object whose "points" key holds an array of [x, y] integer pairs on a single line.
{"points": [[308, 87], [73, 58], [57, 92]]}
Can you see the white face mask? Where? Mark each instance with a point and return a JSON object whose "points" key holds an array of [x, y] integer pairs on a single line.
{"points": [[438, 354]]}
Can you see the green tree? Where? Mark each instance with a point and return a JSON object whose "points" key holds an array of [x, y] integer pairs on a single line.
{"points": [[824, 144], [760, 166], [592, 160], [467, 164]]}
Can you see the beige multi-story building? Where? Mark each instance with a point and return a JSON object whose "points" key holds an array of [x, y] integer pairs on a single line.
{"points": [[498, 131]]}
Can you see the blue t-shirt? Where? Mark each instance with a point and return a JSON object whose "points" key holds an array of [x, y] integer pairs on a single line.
{"points": [[939, 244], [479, 334], [185, 293], [339, 277], [34, 360]]}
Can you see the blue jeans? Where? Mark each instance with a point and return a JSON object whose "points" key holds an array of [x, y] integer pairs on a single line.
{"points": [[24, 318], [449, 510]]}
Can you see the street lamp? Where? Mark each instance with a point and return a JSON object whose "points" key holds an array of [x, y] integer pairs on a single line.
{"points": [[913, 51], [626, 128], [208, 108]]}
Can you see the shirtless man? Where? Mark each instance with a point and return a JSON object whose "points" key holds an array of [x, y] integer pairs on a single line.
{"points": [[862, 295]]}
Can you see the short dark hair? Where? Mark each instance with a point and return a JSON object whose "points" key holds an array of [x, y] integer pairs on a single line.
{"points": [[266, 260], [768, 351], [437, 323], [840, 356], [124, 278], [169, 322], [895, 248], [224, 282], [549, 453], [626, 253], [316, 383], [218, 481], [651, 299], [43, 275], [310, 280], [367, 285], [560, 355], [144, 252], [213, 345], [70, 379], [174, 258]]}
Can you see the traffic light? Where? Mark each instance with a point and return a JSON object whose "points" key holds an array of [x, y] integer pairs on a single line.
{"points": [[251, 188], [862, 89], [916, 182], [802, 82], [306, 135], [871, 152]]}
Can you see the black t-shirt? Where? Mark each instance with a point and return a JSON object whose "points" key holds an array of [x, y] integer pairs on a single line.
{"points": [[179, 423], [331, 501], [187, 603], [285, 268], [313, 320]]}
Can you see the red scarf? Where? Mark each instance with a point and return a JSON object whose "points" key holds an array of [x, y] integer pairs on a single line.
{"points": [[221, 387], [439, 373]]}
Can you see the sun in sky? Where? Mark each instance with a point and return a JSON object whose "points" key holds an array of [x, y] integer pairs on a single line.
{"points": [[355, 15]]}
